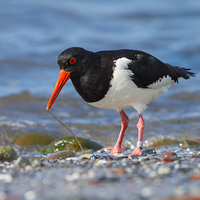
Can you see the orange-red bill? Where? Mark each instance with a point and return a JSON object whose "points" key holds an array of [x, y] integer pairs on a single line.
{"points": [[62, 79]]}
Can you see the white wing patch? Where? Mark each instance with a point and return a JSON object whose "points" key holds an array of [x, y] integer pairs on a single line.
{"points": [[163, 84], [124, 93]]}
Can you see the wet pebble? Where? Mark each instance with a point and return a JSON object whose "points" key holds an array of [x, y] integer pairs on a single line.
{"points": [[146, 192], [60, 154], [118, 171], [143, 174], [36, 161], [85, 156], [100, 162], [149, 151], [170, 154], [28, 161], [183, 167], [7, 153], [22, 162], [168, 159]]}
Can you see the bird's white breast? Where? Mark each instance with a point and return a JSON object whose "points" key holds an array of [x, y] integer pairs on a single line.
{"points": [[124, 93]]}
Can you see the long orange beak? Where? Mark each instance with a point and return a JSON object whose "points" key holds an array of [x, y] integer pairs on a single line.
{"points": [[62, 79]]}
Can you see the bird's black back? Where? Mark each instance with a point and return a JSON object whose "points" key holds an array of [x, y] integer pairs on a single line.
{"points": [[146, 68]]}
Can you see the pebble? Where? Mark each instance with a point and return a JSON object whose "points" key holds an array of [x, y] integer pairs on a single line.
{"points": [[6, 178], [73, 158], [30, 195], [146, 192], [195, 177], [164, 170], [101, 176], [85, 156], [7, 153], [36, 161], [182, 167], [100, 162], [144, 158], [60, 154], [72, 177], [161, 151], [149, 151], [196, 156], [118, 171], [170, 154], [22, 162], [168, 159]]}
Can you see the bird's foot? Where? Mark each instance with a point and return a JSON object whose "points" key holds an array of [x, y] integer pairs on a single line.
{"points": [[116, 149], [137, 151]]}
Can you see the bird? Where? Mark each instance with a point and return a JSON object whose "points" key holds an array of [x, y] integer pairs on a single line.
{"points": [[117, 79]]}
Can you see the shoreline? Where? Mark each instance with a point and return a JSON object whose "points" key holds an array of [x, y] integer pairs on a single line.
{"points": [[152, 176]]}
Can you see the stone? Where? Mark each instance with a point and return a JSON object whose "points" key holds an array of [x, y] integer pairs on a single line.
{"points": [[164, 170], [6, 178], [86, 156], [60, 155], [162, 142], [35, 161], [195, 139], [195, 177], [170, 154], [118, 171], [149, 151], [184, 167], [70, 143], [7, 153], [100, 163], [191, 144], [146, 192], [22, 162], [30, 195], [168, 159], [32, 139]]}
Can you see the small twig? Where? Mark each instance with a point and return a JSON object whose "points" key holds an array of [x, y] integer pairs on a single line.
{"points": [[68, 130]]}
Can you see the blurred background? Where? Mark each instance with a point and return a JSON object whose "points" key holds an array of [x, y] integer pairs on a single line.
{"points": [[33, 33]]}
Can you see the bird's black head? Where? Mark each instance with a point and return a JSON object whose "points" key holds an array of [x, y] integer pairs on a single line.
{"points": [[72, 59], [73, 62]]}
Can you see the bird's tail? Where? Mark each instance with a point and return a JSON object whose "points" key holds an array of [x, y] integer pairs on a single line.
{"points": [[183, 72]]}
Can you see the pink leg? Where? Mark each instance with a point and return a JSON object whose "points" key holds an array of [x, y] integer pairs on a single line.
{"points": [[124, 125], [140, 126]]}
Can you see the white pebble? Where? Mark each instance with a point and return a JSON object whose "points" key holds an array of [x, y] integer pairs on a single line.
{"points": [[30, 195], [73, 158], [102, 162], [6, 177], [164, 170], [152, 174], [146, 192], [91, 174], [72, 177]]}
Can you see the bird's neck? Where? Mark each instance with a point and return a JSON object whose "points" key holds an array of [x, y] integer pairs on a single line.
{"points": [[93, 83]]}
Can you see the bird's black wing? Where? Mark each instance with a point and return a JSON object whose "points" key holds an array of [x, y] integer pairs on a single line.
{"points": [[148, 70]]}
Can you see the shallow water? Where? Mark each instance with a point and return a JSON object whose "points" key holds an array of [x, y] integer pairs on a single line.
{"points": [[34, 33]]}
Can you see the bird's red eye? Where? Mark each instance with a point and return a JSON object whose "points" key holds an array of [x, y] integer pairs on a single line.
{"points": [[72, 60]]}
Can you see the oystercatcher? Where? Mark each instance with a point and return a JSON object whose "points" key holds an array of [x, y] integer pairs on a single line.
{"points": [[116, 80]]}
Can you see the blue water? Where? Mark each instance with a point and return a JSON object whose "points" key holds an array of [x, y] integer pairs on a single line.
{"points": [[33, 33]]}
